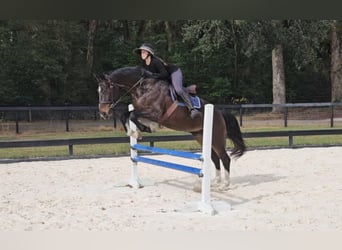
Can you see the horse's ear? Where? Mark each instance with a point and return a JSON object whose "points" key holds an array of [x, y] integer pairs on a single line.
{"points": [[96, 77], [106, 76]]}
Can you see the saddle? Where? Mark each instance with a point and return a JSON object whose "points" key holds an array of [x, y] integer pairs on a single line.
{"points": [[177, 101], [191, 90]]}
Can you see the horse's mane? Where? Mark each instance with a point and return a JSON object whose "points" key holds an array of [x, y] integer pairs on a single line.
{"points": [[132, 75], [127, 72]]}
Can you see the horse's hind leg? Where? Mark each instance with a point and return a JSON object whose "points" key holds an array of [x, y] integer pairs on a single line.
{"points": [[220, 150], [216, 161], [226, 163]]}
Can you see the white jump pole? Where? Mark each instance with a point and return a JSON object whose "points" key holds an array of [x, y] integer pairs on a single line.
{"points": [[205, 204]]}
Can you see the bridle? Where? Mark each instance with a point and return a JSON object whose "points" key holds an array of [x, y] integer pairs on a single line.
{"points": [[112, 84]]}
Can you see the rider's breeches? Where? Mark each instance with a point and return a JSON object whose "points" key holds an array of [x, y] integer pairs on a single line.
{"points": [[177, 81]]}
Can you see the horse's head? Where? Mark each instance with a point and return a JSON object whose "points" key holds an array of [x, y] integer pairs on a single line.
{"points": [[126, 78], [108, 93]]}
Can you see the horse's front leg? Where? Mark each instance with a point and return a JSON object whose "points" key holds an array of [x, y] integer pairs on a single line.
{"points": [[136, 133], [133, 117], [125, 119]]}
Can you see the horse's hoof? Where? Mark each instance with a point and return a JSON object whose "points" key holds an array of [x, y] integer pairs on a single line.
{"points": [[197, 189], [154, 127], [216, 182], [224, 187], [137, 135]]}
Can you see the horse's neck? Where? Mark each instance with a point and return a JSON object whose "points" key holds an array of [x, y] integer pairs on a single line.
{"points": [[154, 95], [126, 77], [151, 88]]}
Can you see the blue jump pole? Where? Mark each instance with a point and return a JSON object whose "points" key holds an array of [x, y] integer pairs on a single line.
{"points": [[184, 168], [165, 151]]}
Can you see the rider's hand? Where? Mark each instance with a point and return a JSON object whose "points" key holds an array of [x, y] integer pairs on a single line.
{"points": [[147, 74]]}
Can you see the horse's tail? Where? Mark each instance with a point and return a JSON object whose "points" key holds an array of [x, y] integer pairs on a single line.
{"points": [[234, 134]]}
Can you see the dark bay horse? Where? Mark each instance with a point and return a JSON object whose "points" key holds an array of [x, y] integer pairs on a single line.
{"points": [[152, 101]]}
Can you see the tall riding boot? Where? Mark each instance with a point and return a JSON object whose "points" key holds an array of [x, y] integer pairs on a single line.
{"points": [[186, 98]]}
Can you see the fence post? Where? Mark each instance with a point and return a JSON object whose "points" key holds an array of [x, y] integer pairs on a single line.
{"points": [[240, 112], [67, 118], [29, 117], [285, 116], [291, 141], [332, 115], [71, 150], [17, 122], [114, 119]]}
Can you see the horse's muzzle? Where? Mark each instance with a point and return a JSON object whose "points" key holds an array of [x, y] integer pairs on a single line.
{"points": [[104, 111], [104, 116]]}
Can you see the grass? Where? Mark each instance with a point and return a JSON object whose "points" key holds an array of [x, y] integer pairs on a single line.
{"points": [[297, 141], [81, 150], [123, 148]]}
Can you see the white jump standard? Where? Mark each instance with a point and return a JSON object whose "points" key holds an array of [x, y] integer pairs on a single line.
{"points": [[205, 204]]}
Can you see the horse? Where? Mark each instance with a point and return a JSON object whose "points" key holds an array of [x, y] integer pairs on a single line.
{"points": [[153, 105]]}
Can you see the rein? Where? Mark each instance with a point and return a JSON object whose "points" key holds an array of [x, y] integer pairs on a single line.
{"points": [[127, 92]]}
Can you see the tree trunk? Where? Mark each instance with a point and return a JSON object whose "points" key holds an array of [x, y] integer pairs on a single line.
{"points": [[141, 30], [169, 35], [126, 32], [90, 51], [336, 62], [236, 54], [279, 90]]}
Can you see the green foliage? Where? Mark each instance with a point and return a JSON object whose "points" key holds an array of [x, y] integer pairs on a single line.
{"points": [[219, 91], [45, 62], [41, 61]]}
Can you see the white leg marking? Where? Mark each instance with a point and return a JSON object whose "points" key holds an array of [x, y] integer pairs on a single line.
{"points": [[226, 182], [129, 130], [137, 134], [217, 180]]}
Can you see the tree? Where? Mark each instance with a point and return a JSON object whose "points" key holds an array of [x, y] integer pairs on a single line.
{"points": [[214, 48], [296, 42], [47, 62], [279, 90], [336, 61], [90, 51], [278, 69]]}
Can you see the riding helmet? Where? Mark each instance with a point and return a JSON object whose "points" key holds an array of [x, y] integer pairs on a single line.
{"points": [[145, 46]]}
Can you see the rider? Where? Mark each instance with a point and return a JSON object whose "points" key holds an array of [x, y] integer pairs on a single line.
{"points": [[162, 70]]}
